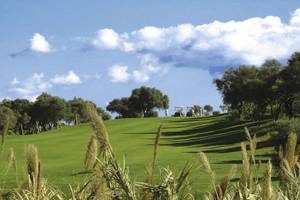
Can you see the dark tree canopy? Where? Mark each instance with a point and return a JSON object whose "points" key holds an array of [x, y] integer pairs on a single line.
{"points": [[252, 92], [140, 103], [7, 116], [48, 110], [45, 113]]}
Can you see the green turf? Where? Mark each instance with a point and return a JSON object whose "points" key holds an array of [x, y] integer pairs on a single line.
{"points": [[62, 151]]}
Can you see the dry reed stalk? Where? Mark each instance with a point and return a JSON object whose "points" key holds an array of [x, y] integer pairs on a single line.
{"points": [[252, 144], [33, 169], [267, 189], [207, 168], [290, 149], [245, 178], [116, 177], [156, 144], [206, 165], [4, 133], [100, 131], [91, 153], [11, 158]]}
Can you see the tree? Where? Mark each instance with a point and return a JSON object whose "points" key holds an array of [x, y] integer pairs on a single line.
{"points": [[145, 99], [21, 108], [120, 106], [208, 109], [7, 116], [48, 110], [78, 112], [141, 103], [104, 115], [165, 104], [289, 84]]}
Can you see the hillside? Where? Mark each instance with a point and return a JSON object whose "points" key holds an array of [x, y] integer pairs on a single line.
{"points": [[62, 151]]}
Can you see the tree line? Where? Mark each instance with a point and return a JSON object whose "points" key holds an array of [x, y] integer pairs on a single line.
{"points": [[47, 112], [252, 92]]}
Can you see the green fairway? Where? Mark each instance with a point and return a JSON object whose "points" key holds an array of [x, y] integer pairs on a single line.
{"points": [[62, 151]]}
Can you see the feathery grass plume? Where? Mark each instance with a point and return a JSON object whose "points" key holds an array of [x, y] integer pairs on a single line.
{"points": [[91, 153], [224, 183], [33, 168], [290, 149], [156, 143], [267, 189], [252, 144], [11, 158], [206, 165], [150, 168], [100, 131], [117, 178], [245, 178], [46, 193], [99, 189], [4, 132]]}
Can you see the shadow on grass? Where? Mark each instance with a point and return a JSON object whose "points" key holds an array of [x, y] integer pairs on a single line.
{"points": [[214, 132]]}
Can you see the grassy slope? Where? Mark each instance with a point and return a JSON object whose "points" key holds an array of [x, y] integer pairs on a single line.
{"points": [[62, 151]]}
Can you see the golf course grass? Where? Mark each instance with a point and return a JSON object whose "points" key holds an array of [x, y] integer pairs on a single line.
{"points": [[62, 151]]}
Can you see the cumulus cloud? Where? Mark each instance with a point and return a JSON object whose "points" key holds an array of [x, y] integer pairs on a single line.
{"points": [[209, 46], [119, 73], [14, 81], [31, 87], [66, 79], [149, 66], [40, 44]]}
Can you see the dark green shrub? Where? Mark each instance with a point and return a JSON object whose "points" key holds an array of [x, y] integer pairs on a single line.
{"points": [[285, 126], [189, 114], [151, 113], [216, 113]]}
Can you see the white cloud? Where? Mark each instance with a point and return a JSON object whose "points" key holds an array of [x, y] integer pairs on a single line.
{"points": [[66, 79], [211, 45], [149, 67], [40, 44], [106, 38], [15, 81], [31, 87], [119, 73]]}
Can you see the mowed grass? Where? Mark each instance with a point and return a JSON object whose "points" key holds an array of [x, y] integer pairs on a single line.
{"points": [[62, 151]]}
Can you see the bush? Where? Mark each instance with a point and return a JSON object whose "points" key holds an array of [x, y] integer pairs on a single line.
{"points": [[286, 126], [189, 114], [151, 114], [105, 116], [216, 113]]}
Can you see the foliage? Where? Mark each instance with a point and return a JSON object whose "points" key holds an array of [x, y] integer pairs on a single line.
{"points": [[255, 91], [7, 115], [104, 115], [208, 110], [216, 112], [151, 113], [46, 113], [140, 103]]}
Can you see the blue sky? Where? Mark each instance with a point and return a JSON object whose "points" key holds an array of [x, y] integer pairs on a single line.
{"points": [[100, 50]]}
